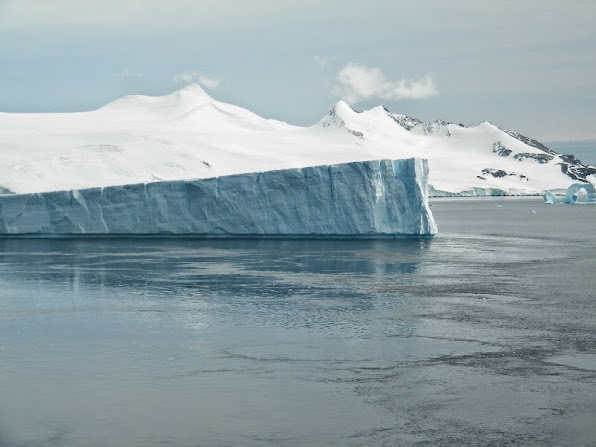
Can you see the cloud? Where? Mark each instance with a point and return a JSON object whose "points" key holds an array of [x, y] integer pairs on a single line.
{"points": [[357, 82], [126, 73], [196, 77]]}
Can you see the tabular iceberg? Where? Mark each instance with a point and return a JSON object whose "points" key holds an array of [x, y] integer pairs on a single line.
{"points": [[361, 199]]}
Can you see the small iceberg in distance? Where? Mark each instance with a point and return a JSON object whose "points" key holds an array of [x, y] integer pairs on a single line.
{"points": [[366, 199], [574, 191], [549, 198]]}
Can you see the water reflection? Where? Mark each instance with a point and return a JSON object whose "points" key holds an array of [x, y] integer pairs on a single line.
{"points": [[179, 267], [134, 263], [312, 284], [146, 310]]}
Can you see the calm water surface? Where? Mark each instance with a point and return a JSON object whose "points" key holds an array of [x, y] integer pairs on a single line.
{"points": [[485, 335]]}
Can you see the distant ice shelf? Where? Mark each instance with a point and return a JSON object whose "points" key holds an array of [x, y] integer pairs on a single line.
{"points": [[473, 192], [369, 199]]}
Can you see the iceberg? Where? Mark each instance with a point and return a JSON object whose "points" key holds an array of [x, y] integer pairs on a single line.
{"points": [[549, 198], [573, 191], [381, 198]]}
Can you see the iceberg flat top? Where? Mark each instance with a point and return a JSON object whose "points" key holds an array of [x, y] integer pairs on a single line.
{"points": [[189, 135]]}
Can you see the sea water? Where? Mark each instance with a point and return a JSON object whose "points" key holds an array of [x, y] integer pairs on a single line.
{"points": [[484, 335]]}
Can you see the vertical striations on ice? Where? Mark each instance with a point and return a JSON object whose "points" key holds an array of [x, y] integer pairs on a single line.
{"points": [[360, 199]]}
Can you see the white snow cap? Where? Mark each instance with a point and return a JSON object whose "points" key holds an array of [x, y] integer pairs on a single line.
{"points": [[188, 134]]}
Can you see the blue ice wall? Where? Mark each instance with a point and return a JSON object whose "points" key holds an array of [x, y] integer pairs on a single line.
{"points": [[361, 199], [573, 193]]}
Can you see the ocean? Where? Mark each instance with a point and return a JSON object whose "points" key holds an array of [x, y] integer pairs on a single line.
{"points": [[484, 335]]}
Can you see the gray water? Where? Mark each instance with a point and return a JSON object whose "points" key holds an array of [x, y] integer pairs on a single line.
{"points": [[485, 335]]}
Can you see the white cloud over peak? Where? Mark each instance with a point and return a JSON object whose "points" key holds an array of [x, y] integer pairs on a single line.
{"points": [[196, 77], [357, 82]]}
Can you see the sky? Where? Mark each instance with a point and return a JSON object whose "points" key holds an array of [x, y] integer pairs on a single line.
{"points": [[526, 65]]}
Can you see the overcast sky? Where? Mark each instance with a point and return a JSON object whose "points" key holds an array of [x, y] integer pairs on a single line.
{"points": [[529, 66]]}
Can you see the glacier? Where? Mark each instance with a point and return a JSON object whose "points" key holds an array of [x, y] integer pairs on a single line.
{"points": [[380, 198], [474, 192], [190, 135]]}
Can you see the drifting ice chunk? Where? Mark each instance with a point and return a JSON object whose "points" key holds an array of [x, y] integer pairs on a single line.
{"points": [[362, 199], [549, 198]]}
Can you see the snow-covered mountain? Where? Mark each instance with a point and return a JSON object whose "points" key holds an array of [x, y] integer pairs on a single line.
{"points": [[189, 135]]}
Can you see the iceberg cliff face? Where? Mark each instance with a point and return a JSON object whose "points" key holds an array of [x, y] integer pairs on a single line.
{"points": [[361, 199]]}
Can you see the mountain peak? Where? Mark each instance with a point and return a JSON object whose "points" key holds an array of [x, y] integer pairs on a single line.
{"points": [[341, 105], [187, 134], [192, 91], [180, 101]]}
